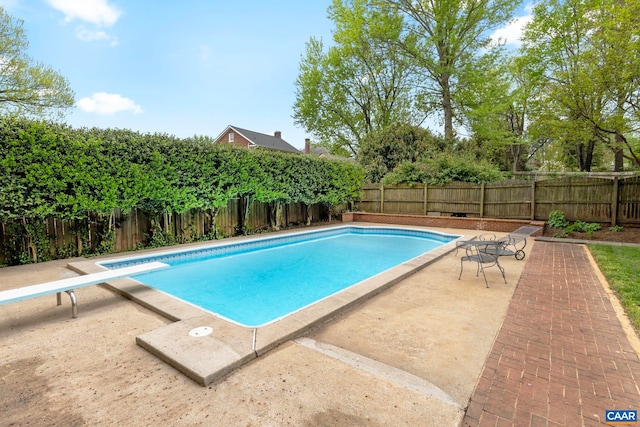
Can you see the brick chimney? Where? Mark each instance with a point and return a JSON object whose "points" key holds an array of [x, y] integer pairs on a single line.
{"points": [[307, 146], [277, 134]]}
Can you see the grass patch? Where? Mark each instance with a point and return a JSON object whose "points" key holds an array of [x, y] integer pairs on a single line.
{"points": [[621, 267]]}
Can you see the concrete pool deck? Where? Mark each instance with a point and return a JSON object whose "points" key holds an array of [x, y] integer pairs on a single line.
{"points": [[206, 359], [411, 355]]}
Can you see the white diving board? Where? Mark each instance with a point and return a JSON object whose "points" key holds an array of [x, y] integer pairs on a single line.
{"points": [[68, 285]]}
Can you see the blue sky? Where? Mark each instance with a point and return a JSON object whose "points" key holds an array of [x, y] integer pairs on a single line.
{"points": [[183, 68]]}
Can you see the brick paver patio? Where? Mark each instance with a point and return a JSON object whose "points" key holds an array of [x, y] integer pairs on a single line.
{"points": [[561, 357]]}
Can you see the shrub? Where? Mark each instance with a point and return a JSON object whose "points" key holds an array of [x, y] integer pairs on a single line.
{"points": [[557, 220], [444, 168], [584, 227], [382, 151]]}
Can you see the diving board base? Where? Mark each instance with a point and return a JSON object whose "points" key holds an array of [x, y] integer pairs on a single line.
{"points": [[69, 284]]}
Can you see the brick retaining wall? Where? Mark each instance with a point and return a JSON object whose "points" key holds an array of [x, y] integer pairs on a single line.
{"points": [[486, 224]]}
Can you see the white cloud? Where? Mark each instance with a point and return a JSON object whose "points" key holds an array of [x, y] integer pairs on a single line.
{"points": [[511, 34], [89, 36], [108, 103], [98, 12]]}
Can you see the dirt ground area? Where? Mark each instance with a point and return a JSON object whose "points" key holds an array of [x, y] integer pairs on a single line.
{"points": [[627, 235]]}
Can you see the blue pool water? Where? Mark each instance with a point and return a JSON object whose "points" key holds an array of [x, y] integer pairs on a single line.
{"points": [[256, 282]]}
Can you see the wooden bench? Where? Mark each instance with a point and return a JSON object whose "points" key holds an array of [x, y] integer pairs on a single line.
{"points": [[68, 285]]}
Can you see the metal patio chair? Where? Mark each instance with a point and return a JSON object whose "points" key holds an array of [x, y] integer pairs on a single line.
{"points": [[484, 254]]}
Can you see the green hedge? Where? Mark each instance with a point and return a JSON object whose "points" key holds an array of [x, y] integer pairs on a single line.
{"points": [[52, 170]]}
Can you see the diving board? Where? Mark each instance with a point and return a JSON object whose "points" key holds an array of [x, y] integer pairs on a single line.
{"points": [[71, 283]]}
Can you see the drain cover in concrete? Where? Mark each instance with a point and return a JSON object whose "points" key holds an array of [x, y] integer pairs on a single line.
{"points": [[201, 331], [206, 358]]}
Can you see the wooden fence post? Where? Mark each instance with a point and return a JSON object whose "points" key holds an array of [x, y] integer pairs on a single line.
{"points": [[482, 200], [381, 198], [425, 193], [533, 200], [614, 202]]}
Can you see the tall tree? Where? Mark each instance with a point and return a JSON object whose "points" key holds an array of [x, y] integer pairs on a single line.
{"points": [[587, 51], [446, 39], [26, 87], [497, 111], [616, 49], [556, 43], [359, 84]]}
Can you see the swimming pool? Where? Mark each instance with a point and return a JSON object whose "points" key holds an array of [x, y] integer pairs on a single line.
{"points": [[258, 281]]}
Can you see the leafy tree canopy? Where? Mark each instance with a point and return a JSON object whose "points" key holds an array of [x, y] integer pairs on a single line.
{"points": [[360, 84], [447, 40], [28, 88], [586, 53]]}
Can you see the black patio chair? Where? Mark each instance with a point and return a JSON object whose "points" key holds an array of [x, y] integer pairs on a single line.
{"points": [[483, 253]]}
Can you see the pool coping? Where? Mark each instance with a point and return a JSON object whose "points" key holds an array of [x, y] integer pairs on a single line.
{"points": [[207, 359]]}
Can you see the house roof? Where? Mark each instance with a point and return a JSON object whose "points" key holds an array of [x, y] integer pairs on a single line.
{"points": [[319, 151], [263, 140], [323, 152]]}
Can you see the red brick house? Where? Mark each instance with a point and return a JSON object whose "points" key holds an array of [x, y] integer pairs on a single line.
{"points": [[250, 139]]}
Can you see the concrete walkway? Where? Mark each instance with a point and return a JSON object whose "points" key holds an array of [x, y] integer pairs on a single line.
{"points": [[561, 357]]}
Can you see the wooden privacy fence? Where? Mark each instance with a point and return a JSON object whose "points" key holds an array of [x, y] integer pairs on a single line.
{"points": [[132, 229], [615, 201]]}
